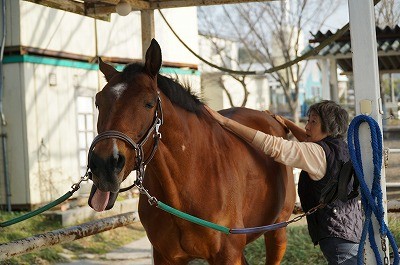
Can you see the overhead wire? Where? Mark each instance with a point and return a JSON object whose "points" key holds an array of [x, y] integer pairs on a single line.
{"points": [[311, 52]]}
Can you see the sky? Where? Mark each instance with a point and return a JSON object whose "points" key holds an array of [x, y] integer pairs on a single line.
{"points": [[339, 19], [335, 22]]}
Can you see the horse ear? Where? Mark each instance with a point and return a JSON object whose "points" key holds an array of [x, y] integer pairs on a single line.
{"points": [[153, 59], [107, 70]]}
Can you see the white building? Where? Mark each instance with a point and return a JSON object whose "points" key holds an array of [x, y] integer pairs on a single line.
{"points": [[50, 79]]}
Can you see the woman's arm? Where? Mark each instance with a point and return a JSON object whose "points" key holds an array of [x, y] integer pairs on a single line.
{"points": [[244, 132], [306, 156], [297, 131]]}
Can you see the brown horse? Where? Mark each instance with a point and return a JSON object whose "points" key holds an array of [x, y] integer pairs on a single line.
{"points": [[199, 168]]}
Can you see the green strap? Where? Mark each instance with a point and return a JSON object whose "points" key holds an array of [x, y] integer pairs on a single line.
{"points": [[37, 211], [191, 218]]}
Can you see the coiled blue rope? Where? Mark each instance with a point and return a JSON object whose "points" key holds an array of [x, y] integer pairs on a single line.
{"points": [[371, 199]]}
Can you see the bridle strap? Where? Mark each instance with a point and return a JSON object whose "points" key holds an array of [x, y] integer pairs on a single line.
{"points": [[113, 134]]}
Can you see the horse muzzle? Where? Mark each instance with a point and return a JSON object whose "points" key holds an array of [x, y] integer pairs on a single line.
{"points": [[106, 177], [101, 200]]}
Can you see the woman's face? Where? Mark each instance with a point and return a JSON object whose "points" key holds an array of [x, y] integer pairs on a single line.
{"points": [[314, 128]]}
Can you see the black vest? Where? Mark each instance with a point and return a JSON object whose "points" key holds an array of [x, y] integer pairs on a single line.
{"points": [[337, 219]]}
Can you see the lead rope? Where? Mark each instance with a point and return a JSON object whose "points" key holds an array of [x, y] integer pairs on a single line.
{"points": [[46, 207], [371, 199], [259, 229]]}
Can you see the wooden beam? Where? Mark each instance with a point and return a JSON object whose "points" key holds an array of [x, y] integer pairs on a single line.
{"points": [[103, 8], [148, 29], [66, 5], [187, 3], [138, 5], [74, 7]]}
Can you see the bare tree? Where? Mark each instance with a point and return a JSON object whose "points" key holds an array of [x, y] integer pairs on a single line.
{"points": [[387, 13], [270, 34], [221, 47]]}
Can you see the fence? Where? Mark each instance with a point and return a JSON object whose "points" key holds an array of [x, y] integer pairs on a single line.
{"points": [[26, 245]]}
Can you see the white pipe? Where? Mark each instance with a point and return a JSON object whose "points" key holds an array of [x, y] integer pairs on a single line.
{"points": [[392, 184], [394, 150]]}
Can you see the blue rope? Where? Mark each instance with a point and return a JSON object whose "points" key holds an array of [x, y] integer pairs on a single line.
{"points": [[371, 199]]}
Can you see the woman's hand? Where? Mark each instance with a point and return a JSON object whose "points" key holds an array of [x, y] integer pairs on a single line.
{"points": [[280, 119], [218, 117]]}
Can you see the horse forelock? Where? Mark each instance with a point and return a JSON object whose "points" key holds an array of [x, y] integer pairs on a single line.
{"points": [[176, 92]]}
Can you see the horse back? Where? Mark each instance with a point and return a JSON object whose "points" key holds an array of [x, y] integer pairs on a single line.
{"points": [[276, 194], [255, 119]]}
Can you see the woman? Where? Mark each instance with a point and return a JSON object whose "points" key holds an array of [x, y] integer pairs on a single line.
{"points": [[320, 153]]}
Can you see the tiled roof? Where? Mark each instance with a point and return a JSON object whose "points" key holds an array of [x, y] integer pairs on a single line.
{"points": [[388, 48]]}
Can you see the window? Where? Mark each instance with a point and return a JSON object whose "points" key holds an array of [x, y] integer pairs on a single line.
{"points": [[85, 129]]}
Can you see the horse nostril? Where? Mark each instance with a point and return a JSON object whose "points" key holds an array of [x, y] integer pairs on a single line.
{"points": [[118, 162], [93, 161]]}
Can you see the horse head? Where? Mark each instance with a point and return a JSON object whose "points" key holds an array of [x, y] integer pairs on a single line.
{"points": [[127, 108]]}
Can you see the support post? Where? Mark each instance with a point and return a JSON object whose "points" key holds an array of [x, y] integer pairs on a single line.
{"points": [[333, 80], [326, 93], [148, 30], [367, 88]]}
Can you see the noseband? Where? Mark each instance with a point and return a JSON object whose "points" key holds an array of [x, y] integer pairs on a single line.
{"points": [[140, 163]]}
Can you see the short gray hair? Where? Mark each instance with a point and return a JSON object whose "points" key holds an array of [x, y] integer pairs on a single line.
{"points": [[334, 119]]}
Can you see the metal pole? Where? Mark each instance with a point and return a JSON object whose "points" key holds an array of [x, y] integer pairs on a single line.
{"points": [[26, 245], [367, 94], [3, 121], [5, 169]]}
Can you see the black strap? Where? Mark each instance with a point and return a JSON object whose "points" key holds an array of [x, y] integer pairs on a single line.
{"points": [[337, 188], [347, 175]]}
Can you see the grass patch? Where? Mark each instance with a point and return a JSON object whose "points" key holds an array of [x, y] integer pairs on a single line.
{"points": [[394, 226], [96, 244], [300, 250]]}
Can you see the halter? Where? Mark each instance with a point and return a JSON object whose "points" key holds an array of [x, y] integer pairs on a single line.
{"points": [[140, 163]]}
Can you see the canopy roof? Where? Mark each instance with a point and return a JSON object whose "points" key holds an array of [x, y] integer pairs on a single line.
{"points": [[102, 9], [388, 48]]}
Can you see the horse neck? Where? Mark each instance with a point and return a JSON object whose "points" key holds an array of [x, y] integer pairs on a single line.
{"points": [[178, 123], [168, 166]]}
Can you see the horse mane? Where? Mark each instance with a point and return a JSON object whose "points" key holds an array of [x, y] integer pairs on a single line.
{"points": [[179, 94]]}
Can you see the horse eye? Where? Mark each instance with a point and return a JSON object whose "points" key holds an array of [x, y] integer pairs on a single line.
{"points": [[149, 105]]}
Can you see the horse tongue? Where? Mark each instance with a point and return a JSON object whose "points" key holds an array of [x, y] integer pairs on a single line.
{"points": [[100, 200]]}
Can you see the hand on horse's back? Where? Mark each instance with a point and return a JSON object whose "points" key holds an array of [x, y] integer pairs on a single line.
{"points": [[279, 119], [218, 117]]}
